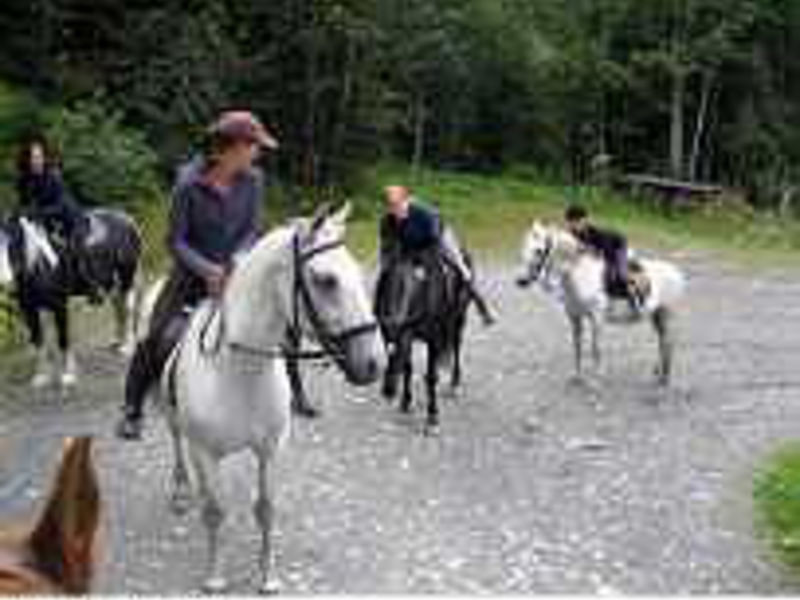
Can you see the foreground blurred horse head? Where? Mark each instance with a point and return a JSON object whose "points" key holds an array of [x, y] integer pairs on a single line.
{"points": [[56, 556]]}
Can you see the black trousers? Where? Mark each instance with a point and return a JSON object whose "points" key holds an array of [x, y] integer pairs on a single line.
{"points": [[182, 291]]}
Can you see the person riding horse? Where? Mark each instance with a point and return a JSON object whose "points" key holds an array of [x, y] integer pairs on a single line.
{"points": [[612, 246], [43, 198], [410, 227], [215, 215]]}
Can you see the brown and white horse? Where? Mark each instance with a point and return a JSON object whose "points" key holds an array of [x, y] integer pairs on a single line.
{"points": [[56, 555]]}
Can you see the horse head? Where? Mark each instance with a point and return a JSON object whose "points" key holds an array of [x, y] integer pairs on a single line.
{"points": [[544, 248], [57, 556], [331, 298], [403, 295]]}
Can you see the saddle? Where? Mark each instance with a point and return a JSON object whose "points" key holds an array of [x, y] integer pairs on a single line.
{"points": [[638, 282]]}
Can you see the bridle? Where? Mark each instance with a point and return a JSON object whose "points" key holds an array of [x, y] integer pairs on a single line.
{"points": [[545, 256], [332, 342]]}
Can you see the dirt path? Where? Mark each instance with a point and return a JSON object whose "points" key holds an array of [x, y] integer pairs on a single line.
{"points": [[534, 486]]}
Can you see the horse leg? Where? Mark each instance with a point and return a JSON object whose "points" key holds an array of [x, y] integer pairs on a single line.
{"points": [[432, 382], [264, 511], [662, 324], [407, 358], [207, 470], [455, 374], [595, 332], [181, 499], [123, 305], [69, 369], [389, 388], [577, 343], [33, 321]]}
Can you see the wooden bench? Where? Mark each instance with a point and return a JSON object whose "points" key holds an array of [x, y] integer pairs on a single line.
{"points": [[670, 192]]}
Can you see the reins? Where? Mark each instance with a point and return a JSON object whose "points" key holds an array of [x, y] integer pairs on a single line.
{"points": [[301, 298]]}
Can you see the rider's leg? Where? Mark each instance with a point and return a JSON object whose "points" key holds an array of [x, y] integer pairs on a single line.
{"points": [[452, 253], [152, 353], [622, 276]]}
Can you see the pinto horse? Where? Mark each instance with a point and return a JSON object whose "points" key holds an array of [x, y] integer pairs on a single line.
{"points": [[421, 298], [56, 556], [44, 282]]}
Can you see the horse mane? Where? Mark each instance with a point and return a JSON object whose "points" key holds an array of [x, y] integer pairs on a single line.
{"points": [[58, 554]]}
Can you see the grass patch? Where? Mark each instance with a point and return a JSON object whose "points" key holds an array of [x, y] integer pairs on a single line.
{"points": [[777, 504], [491, 214]]}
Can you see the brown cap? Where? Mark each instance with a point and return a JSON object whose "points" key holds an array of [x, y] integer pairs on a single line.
{"points": [[242, 124]]}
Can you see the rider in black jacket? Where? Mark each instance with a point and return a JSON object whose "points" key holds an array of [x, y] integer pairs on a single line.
{"points": [[409, 226], [612, 246], [44, 198]]}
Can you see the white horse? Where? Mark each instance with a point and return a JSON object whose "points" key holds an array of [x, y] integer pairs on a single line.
{"points": [[554, 258], [226, 386]]}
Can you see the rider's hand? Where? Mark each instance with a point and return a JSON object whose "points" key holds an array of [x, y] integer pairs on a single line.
{"points": [[215, 281]]}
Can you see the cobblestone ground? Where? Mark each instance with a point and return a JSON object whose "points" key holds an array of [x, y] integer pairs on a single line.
{"points": [[533, 486]]}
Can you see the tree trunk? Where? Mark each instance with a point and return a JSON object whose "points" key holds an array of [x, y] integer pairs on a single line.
{"points": [[700, 124], [677, 124], [420, 116]]}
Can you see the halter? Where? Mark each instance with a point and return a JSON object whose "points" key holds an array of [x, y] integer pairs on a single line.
{"points": [[332, 342]]}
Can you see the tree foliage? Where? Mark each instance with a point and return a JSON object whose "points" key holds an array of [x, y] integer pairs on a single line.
{"points": [[704, 89]]}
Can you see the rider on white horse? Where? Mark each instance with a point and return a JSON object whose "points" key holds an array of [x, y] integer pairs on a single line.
{"points": [[215, 215], [612, 246]]}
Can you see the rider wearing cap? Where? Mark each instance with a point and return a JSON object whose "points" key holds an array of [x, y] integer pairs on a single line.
{"points": [[612, 246], [216, 214], [410, 227]]}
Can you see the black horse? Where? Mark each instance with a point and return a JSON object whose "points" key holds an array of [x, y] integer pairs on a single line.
{"points": [[45, 277], [421, 297]]}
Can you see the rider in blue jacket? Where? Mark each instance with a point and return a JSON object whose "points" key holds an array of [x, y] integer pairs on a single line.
{"points": [[216, 210]]}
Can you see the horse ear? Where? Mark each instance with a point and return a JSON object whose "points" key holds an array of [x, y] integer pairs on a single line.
{"points": [[341, 216], [320, 215], [63, 540]]}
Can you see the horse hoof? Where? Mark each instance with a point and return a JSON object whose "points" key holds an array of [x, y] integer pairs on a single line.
{"points": [[180, 503], [432, 430], [40, 381], [69, 380], [270, 587], [577, 381], [215, 585]]}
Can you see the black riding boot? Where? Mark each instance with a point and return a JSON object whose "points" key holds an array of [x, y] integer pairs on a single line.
{"points": [[141, 376], [483, 307]]}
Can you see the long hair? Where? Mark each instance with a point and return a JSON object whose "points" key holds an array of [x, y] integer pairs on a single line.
{"points": [[51, 158]]}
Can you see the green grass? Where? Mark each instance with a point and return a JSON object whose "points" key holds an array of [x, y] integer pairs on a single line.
{"points": [[777, 504], [492, 213]]}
